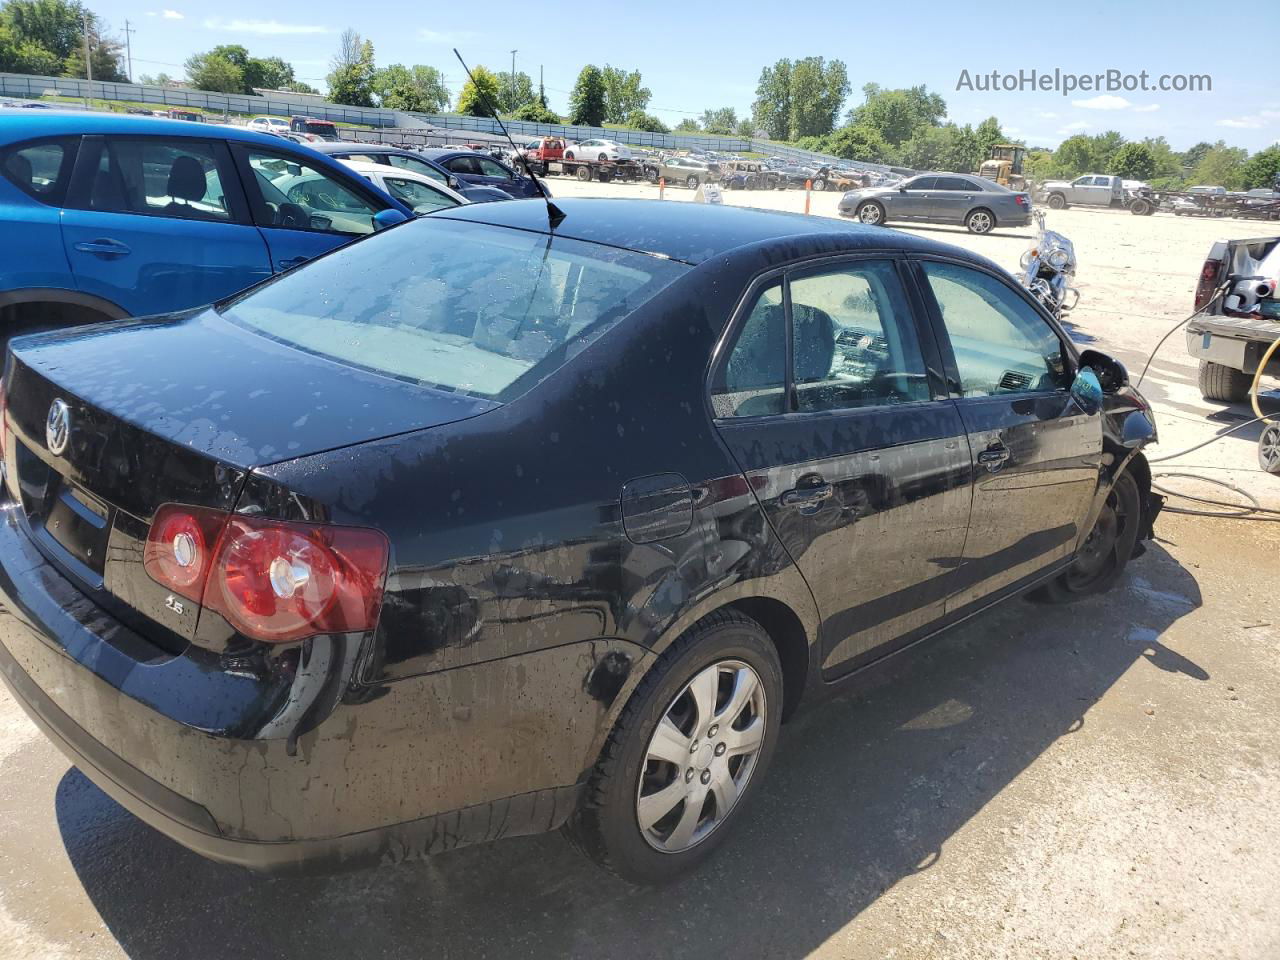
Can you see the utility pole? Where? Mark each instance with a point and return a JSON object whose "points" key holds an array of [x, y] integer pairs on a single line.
{"points": [[128, 48], [88, 58], [542, 90], [512, 101]]}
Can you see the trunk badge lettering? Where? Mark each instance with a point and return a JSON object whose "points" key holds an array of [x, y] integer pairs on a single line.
{"points": [[174, 604], [57, 427]]}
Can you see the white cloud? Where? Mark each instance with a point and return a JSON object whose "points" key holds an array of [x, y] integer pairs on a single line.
{"points": [[1254, 121], [270, 28], [1103, 101], [1070, 127], [1147, 108], [1046, 115], [445, 36], [171, 15]]}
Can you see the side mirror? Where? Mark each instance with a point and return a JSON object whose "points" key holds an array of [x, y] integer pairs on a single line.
{"points": [[453, 183], [388, 218], [1086, 391], [902, 189], [1111, 373]]}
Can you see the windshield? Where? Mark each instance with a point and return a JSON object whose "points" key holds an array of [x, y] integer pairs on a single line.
{"points": [[457, 306]]}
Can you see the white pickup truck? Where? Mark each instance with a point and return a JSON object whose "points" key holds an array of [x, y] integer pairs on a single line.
{"points": [[1093, 190], [1240, 317]]}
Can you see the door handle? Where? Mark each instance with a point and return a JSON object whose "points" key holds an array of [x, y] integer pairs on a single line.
{"points": [[806, 496], [103, 247], [291, 262], [994, 457]]}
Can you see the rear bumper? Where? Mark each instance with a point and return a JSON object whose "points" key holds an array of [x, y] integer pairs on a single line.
{"points": [[395, 772]]}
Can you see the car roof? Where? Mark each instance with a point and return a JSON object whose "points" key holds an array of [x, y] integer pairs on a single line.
{"points": [[439, 154], [694, 232], [51, 123]]}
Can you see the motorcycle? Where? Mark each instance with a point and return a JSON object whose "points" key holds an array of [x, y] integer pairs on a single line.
{"points": [[1048, 267]]}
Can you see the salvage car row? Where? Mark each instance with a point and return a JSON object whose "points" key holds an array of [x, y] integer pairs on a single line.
{"points": [[512, 517]]}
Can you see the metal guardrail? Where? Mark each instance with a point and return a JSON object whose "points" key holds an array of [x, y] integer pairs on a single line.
{"points": [[34, 87]]}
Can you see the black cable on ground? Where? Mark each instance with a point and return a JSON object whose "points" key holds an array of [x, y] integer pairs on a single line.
{"points": [[1244, 511]]}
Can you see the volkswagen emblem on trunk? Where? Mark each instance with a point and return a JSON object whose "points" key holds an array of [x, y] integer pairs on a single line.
{"points": [[57, 427]]}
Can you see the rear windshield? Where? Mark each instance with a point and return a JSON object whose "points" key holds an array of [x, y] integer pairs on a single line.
{"points": [[465, 307]]}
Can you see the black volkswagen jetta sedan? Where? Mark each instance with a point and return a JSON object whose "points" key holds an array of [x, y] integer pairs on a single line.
{"points": [[476, 528]]}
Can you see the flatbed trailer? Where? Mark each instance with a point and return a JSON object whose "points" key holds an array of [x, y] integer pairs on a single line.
{"points": [[586, 170]]}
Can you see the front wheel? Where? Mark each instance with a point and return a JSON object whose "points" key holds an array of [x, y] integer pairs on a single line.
{"points": [[692, 743], [1104, 552], [1057, 202], [651, 175], [870, 212], [691, 182], [819, 185], [584, 174]]}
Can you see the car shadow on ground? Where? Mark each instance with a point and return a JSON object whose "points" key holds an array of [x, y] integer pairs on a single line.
{"points": [[864, 791], [914, 225]]}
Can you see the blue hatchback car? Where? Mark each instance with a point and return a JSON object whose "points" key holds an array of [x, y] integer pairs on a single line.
{"points": [[105, 216]]}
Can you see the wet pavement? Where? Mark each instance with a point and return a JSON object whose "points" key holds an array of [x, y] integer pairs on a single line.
{"points": [[1100, 780]]}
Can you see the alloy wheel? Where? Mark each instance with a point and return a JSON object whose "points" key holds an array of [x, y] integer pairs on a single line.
{"points": [[980, 222], [701, 756], [1098, 551], [1269, 449], [869, 213]]}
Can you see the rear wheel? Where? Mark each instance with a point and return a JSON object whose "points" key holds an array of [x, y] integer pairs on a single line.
{"points": [[1269, 449], [1105, 551], [980, 221], [651, 174], [819, 184], [1140, 207], [1057, 201], [1218, 382], [694, 740], [870, 212], [584, 174], [691, 182]]}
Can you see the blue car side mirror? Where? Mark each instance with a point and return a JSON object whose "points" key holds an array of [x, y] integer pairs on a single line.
{"points": [[1086, 390], [388, 218]]}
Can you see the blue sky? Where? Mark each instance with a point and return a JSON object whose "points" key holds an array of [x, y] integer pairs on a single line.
{"points": [[694, 56]]}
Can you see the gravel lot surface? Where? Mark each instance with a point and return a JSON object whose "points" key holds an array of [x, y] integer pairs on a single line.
{"points": [[1096, 781]]}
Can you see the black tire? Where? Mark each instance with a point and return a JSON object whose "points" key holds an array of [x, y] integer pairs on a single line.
{"points": [[651, 174], [1269, 449], [820, 185], [603, 158], [1057, 201], [1105, 552], [568, 154], [605, 826], [980, 221], [692, 181], [1226, 384], [584, 174], [863, 211], [1140, 207], [605, 176]]}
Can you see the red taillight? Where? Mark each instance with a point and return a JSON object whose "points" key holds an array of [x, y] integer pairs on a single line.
{"points": [[1022, 200], [180, 546], [1208, 283], [273, 580]]}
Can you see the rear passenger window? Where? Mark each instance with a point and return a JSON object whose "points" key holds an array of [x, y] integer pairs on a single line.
{"points": [[753, 382], [855, 342], [40, 169], [298, 197], [168, 178]]}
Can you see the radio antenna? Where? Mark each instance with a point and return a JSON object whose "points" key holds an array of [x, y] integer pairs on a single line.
{"points": [[555, 216]]}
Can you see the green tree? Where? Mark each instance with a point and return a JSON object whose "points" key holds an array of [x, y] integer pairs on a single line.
{"points": [[159, 80], [1262, 169], [772, 107], [898, 115], [1074, 156], [536, 113], [947, 147], [269, 73], [587, 101], [1166, 162], [746, 128], [818, 91], [211, 71], [351, 77], [20, 55], [988, 134], [480, 90], [418, 88], [639, 120], [688, 125], [297, 86], [1105, 147], [722, 121], [106, 55], [1221, 166], [517, 94], [55, 26], [858, 142], [1191, 158], [624, 94], [1133, 161]]}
